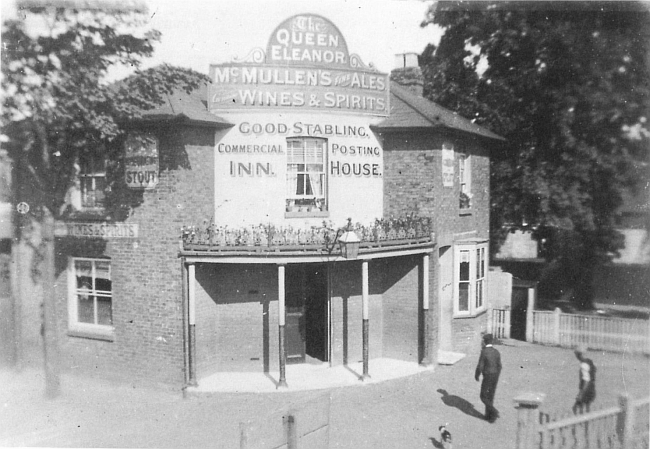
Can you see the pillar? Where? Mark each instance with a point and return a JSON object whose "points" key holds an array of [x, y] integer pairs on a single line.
{"points": [[427, 359], [191, 306], [281, 323], [364, 311], [527, 406], [626, 419], [530, 307]]}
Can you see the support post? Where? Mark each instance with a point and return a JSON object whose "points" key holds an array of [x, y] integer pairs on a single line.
{"points": [[364, 311], [530, 307], [625, 424], [527, 406], [556, 325], [426, 341], [506, 325], [191, 305], [490, 317], [281, 322], [291, 431], [185, 313], [243, 436]]}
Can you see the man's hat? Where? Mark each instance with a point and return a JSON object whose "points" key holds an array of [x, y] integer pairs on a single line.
{"points": [[487, 339], [582, 349]]}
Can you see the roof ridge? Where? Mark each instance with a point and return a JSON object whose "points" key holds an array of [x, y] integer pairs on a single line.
{"points": [[169, 102], [405, 99], [412, 101]]}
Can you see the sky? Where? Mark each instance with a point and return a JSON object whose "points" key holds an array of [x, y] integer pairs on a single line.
{"points": [[197, 33]]}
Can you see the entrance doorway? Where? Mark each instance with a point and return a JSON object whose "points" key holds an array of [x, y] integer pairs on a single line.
{"points": [[307, 309]]}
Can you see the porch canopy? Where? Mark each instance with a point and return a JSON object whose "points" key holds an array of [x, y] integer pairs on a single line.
{"points": [[266, 245]]}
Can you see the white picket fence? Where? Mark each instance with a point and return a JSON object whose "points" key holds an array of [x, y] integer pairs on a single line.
{"points": [[499, 323], [625, 426], [594, 332], [569, 330]]}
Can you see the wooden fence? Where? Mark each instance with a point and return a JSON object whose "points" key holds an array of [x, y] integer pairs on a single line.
{"points": [[594, 332], [626, 426], [499, 323]]}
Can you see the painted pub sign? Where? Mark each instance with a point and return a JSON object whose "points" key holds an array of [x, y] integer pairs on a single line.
{"points": [[141, 161], [306, 66]]}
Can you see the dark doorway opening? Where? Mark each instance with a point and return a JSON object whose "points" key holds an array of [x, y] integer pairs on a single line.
{"points": [[307, 313], [519, 307]]}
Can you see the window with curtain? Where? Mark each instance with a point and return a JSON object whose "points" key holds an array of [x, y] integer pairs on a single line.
{"points": [[465, 180], [470, 270], [90, 307], [306, 177]]}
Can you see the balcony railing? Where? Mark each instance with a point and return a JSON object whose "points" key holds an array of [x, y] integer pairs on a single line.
{"points": [[391, 231]]}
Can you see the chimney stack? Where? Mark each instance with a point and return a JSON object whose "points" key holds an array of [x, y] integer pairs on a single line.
{"points": [[407, 73]]}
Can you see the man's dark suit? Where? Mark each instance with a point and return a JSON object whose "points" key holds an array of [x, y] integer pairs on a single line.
{"points": [[489, 365]]}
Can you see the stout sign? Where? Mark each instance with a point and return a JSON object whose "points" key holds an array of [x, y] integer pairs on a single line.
{"points": [[141, 161]]}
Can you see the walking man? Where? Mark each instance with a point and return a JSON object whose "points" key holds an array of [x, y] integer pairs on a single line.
{"points": [[489, 365], [587, 383]]}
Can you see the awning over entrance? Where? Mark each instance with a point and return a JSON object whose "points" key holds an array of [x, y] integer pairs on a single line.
{"points": [[284, 257]]}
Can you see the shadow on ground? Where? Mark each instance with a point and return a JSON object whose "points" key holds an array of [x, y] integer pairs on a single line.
{"points": [[461, 404]]}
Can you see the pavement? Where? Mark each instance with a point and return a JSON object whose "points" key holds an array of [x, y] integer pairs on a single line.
{"points": [[402, 412], [307, 376]]}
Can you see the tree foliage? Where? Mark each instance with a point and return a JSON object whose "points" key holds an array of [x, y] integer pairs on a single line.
{"points": [[568, 86], [57, 102]]}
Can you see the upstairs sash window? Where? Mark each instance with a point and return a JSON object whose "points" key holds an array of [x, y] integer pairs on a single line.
{"points": [[92, 176], [465, 180], [306, 177]]}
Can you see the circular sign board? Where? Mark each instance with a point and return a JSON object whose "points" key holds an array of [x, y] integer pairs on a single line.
{"points": [[22, 207]]}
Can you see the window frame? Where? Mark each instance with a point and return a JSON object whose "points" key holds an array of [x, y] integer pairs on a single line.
{"points": [[307, 209], [477, 279], [465, 178], [79, 328], [97, 163]]}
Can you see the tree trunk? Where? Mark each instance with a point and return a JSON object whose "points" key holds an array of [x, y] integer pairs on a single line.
{"points": [[50, 335], [584, 289]]}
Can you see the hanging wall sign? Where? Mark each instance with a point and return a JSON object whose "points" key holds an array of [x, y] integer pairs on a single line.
{"points": [[447, 165], [306, 66], [141, 161]]}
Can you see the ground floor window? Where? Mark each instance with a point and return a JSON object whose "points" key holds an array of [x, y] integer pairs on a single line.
{"points": [[470, 268], [90, 302]]}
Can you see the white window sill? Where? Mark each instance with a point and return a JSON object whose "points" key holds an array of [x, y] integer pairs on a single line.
{"points": [[105, 333], [474, 314], [467, 211], [317, 213]]}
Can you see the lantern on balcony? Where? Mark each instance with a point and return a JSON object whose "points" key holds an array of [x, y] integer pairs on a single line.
{"points": [[349, 244]]}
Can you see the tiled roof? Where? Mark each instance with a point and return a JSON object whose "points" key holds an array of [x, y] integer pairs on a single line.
{"points": [[408, 110], [190, 107]]}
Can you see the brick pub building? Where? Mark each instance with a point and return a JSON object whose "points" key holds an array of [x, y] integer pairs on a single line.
{"points": [[303, 208]]}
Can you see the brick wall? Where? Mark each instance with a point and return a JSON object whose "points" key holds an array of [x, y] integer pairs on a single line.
{"points": [[146, 272], [467, 333], [402, 309], [346, 312], [236, 318], [413, 183]]}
